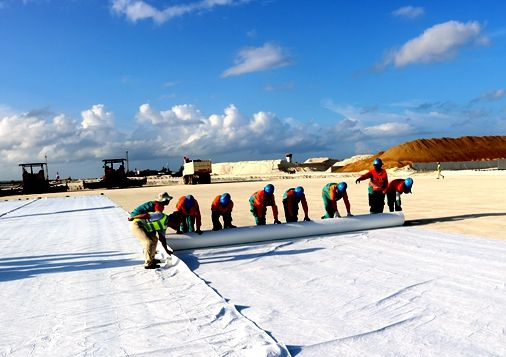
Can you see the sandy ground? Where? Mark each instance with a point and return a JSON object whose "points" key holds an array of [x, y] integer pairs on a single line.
{"points": [[466, 202]]}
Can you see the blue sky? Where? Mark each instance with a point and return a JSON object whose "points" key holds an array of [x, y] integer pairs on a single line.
{"points": [[230, 80]]}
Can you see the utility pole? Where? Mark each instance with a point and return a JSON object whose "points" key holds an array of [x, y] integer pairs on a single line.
{"points": [[47, 168], [127, 168]]}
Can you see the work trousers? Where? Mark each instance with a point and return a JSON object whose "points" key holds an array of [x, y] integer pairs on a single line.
{"points": [[393, 204], [376, 201], [188, 224], [329, 208], [295, 212], [148, 241], [227, 220]]}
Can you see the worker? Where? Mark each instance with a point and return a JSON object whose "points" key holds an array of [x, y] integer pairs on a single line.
{"points": [[222, 205], [155, 228], [148, 242], [291, 199], [259, 202], [189, 207], [377, 184], [331, 193], [394, 191], [438, 169]]}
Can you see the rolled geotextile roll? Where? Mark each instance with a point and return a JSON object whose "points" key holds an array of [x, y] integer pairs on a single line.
{"points": [[270, 232]]}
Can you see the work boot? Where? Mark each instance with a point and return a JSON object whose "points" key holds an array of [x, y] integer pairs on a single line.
{"points": [[157, 261], [151, 266]]}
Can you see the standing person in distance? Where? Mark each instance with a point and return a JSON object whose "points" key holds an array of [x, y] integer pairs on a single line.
{"points": [[189, 207], [377, 184], [259, 202], [394, 191], [148, 241], [222, 206], [291, 199], [331, 193], [438, 169]]}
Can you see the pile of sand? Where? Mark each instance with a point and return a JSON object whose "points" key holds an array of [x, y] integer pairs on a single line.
{"points": [[242, 168], [466, 148]]}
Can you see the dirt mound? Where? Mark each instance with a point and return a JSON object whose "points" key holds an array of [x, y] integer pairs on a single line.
{"points": [[466, 148]]}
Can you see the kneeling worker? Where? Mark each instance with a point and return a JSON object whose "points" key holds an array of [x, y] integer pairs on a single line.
{"points": [[394, 191], [189, 207], [331, 193], [291, 199], [222, 206], [258, 205], [148, 241]]}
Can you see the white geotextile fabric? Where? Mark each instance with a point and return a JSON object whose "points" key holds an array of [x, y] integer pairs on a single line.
{"points": [[389, 292], [72, 283]]}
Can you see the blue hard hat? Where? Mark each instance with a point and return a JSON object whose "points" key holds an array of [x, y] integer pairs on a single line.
{"points": [[225, 199], [188, 201], [341, 187], [299, 191], [377, 162], [269, 189], [408, 183]]}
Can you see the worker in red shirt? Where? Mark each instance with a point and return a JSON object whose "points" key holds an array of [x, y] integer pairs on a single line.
{"points": [[394, 191], [331, 193], [258, 205], [222, 206], [291, 199], [377, 185], [189, 207]]}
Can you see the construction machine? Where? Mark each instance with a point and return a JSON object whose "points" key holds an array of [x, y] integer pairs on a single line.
{"points": [[35, 179], [114, 176]]}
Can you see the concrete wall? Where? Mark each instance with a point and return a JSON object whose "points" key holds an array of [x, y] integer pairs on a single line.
{"points": [[461, 165]]}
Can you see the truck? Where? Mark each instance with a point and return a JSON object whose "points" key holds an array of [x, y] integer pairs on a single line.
{"points": [[197, 171], [114, 176]]}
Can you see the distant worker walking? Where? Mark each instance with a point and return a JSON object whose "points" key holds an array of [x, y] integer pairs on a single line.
{"points": [[377, 184], [331, 193], [148, 241], [291, 199], [394, 191], [438, 169], [259, 202], [222, 206], [189, 207]]}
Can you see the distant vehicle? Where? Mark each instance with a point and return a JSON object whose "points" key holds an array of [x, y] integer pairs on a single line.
{"points": [[114, 176], [35, 179], [197, 171]]}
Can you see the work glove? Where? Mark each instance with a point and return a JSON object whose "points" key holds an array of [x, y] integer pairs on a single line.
{"points": [[277, 221], [349, 214], [357, 180], [306, 219], [199, 232]]}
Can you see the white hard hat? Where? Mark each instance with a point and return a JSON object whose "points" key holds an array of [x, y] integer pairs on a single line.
{"points": [[163, 197]]}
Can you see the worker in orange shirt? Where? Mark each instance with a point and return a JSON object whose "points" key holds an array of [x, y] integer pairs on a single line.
{"points": [[291, 199], [377, 185], [331, 193], [394, 191], [222, 206], [189, 207], [259, 202]]}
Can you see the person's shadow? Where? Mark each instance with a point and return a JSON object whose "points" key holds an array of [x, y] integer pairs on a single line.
{"points": [[15, 268], [424, 221]]}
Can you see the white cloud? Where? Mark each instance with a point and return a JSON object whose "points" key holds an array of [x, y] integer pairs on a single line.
{"points": [[492, 95], [138, 10], [410, 12], [438, 43], [254, 59], [97, 117]]}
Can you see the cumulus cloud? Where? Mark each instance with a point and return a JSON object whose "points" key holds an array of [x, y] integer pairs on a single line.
{"points": [[138, 10], [97, 117], [254, 59], [438, 43], [410, 12]]}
